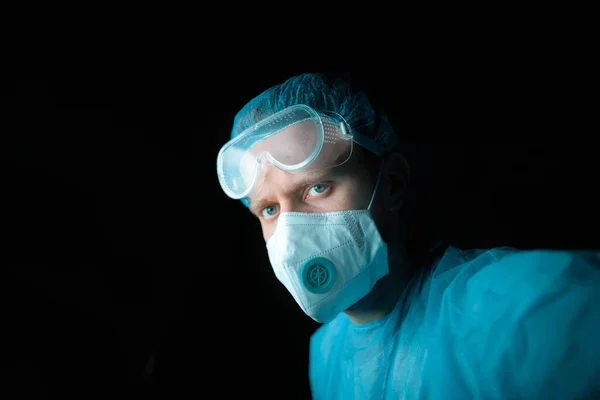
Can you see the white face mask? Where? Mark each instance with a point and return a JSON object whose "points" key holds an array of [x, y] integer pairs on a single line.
{"points": [[328, 261]]}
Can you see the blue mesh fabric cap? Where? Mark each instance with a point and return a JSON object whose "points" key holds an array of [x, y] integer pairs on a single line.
{"points": [[322, 94]]}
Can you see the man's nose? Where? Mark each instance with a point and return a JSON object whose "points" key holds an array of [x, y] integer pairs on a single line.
{"points": [[287, 205]]}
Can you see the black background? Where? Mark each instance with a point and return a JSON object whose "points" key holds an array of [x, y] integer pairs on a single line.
{"points": [[129, 274]]}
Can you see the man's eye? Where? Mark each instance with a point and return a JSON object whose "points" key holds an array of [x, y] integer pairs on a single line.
{"points": [[269, 212], [317, 189]]}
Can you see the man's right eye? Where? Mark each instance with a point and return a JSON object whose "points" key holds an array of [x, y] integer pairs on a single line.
{"points": [[269, 212]]}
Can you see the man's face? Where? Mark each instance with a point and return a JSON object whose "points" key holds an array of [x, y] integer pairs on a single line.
{"points": [[346, 187]]}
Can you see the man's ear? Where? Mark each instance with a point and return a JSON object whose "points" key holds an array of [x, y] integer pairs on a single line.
{"points": [[396, 175]]}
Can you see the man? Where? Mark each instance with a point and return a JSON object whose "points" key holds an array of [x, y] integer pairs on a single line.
{"points": [[325, 174]]}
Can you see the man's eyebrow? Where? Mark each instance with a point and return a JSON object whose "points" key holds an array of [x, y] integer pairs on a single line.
{"points": [[314, 177], [256, 206], [309, 178]]}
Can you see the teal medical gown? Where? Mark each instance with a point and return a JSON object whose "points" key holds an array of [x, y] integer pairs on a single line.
{"points": [[479, 324]]}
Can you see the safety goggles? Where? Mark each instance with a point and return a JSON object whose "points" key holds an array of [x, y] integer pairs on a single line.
{"points": [[297, 140]]}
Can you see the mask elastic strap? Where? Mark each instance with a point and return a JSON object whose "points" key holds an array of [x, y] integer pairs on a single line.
{"points": [[376, 184]]}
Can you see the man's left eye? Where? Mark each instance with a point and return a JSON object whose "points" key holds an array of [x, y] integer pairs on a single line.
{"points": [[318, 189]]}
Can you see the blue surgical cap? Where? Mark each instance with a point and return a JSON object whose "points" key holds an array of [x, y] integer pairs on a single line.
{"points": [[369, 125]]}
